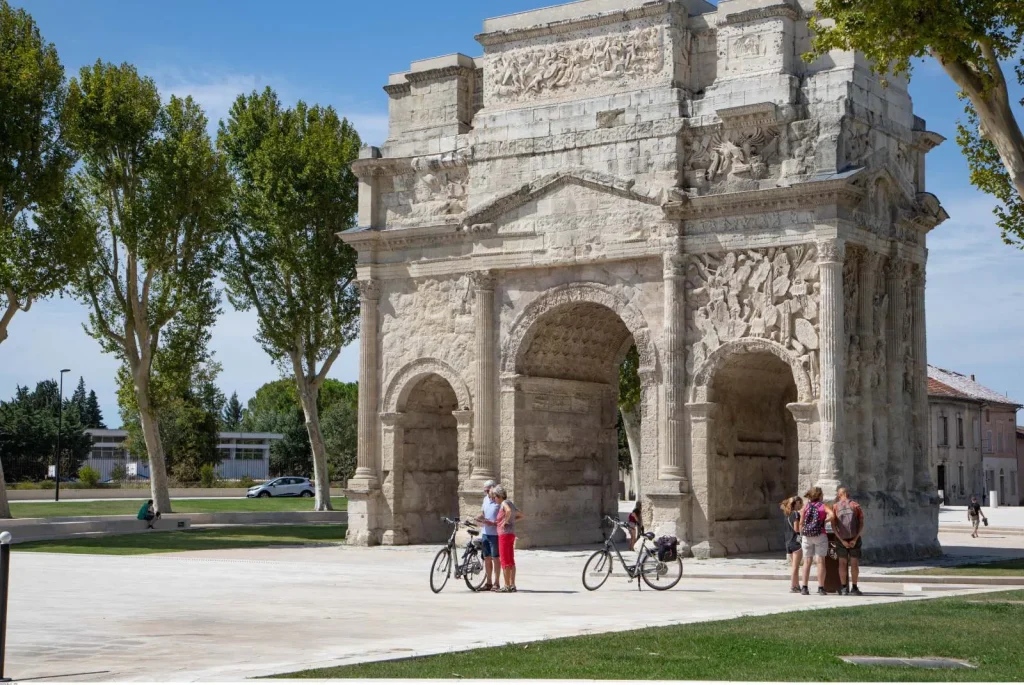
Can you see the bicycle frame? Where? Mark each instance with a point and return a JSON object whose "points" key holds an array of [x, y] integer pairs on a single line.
{"points": [[632, 571]]}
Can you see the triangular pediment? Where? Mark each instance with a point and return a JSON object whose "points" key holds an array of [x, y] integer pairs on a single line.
{"points": [[508, 203]]}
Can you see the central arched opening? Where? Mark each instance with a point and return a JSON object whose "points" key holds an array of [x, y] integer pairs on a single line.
{"points": [[429, 460], [567, 415], [756, 450]]}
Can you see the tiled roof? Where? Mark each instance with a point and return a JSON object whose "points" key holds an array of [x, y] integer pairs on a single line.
{"points": [[940, 389], [966, 386]]}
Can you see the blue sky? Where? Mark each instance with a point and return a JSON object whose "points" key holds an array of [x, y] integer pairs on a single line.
{"points": [[340, 53]]}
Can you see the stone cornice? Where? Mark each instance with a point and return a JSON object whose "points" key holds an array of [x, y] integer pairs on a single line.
{"points": [[781, 11], [801, 195], [927, 141], [555, 28], [395, 166], [394, 89], [427, 76]]}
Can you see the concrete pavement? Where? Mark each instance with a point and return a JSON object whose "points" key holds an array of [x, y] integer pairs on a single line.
{"points": [[233, 614]]}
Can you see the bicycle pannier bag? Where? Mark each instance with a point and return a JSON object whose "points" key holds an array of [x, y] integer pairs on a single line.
{"points": [[667, 548]]}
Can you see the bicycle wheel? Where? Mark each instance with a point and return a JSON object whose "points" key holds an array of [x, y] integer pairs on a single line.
{"points": [[597, 569], [473, 571], [661, 575], [441, 569]]}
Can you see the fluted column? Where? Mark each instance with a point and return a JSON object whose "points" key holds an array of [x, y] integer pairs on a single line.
{"points": [[671, 465], [366, 450], [831, 254], [894, 289], [922, 473], [486, 378], [866, 335]]}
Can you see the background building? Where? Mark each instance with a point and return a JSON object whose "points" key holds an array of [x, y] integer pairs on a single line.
{"points": [[242, 454], [958, 401]]}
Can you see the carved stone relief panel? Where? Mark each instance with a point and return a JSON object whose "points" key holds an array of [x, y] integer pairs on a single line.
{"points": [[576, 66], [427, 194], [851, 299], [772, 294]]}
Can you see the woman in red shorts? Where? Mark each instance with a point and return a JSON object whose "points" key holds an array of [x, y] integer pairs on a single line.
{"points": [[508, 514]]}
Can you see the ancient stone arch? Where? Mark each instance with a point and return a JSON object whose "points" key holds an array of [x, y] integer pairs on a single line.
{"points": [[409, 375], [525, 325], [704, 376]]}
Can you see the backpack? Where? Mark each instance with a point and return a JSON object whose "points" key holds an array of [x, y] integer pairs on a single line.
{"points": [[667, 550], [847, 519], [814, 525]]}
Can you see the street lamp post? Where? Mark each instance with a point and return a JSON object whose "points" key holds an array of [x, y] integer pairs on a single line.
{"points": [[60, 429]]}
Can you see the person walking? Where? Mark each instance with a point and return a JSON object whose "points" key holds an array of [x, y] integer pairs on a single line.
{"points": [[814, 545], [791, 507], [848, 524], [508, 514], [975, 515], [489, 539]]}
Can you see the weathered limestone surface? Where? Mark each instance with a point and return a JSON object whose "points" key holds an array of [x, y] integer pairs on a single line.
{"points": [[665, 174]]}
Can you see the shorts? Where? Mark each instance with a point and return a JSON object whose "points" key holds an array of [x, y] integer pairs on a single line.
{"points": [[506, 550], [843, 552], [489, 546], [816, 546], [793, 546]]}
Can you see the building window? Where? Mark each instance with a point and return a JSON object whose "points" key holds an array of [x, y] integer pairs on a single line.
{"points": [[943, 431], [960, 477], [987, 447], [250, 454], [959, 431], [986, 416]]}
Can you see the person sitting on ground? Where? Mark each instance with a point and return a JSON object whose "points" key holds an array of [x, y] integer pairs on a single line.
{"points": [[975, 515], [635, 522], [508, 514], [815, 542], [489, 538], [148, 514], [794, 554], [848, 524]]}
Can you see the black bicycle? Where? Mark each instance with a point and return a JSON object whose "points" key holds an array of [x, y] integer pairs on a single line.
{"points": [[658, 574], [470, 568]]}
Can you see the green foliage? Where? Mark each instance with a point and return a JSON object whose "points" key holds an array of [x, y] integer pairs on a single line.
{"points": [[28, 434], [970, 40], [246, 482], [629, 380], [93, 416], [340, 424], [292, 455], [118, 473], [89, 476], [231, 416], [208, 476], [37, 259], [294, 192]]}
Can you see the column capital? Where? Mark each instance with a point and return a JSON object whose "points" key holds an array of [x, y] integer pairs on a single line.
{"points": [[673, 264], [830, 251], [702, 411], [483, 280], [918, 277], [369, 289]]}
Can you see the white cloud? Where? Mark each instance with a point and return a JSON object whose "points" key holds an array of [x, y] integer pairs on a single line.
{"points": [[372, 128], [216, 92]]}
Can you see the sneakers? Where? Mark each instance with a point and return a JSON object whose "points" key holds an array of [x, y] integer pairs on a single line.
{"points": [[804, 590], [856, 591], [843, 591], [795, 589], [821, 591]]}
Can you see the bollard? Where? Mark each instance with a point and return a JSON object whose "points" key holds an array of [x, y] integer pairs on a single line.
{"points": [[5, 574]]}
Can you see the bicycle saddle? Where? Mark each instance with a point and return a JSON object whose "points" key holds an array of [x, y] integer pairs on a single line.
{"points": [[649, 536], [473, 532]]}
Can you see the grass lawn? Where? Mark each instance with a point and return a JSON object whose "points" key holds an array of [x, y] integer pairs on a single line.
{"points": [[114, 507], [192, 540], [1006, 567], [802, 646]]}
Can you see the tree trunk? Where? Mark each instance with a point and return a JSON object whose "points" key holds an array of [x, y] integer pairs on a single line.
{"points": [[999, 126], [5, 508], [631, 425], [154, 446], [5, 320], [308, 397]]}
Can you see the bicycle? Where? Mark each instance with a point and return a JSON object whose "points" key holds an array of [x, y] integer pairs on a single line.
{"points": [[469, 569], [657, 574]]}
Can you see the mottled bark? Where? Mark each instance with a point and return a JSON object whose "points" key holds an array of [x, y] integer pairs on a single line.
{"points": [[309, 393], [154, 445]]}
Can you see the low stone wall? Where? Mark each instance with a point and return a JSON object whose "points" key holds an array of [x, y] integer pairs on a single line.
{"points": [[132, 493], [28, 530]]}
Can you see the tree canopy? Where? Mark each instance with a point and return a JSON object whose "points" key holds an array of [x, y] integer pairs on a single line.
{"points": [[971, 41], [28, 433]]}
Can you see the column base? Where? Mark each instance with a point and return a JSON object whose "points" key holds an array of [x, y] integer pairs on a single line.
{"points": [[365, 513], [667, 505], [708, 549]]}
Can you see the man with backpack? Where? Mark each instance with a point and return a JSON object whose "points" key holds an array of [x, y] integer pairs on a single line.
{"points": [[848, 524]]}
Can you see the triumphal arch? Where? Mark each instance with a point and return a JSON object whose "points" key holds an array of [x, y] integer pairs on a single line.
{"points": [[662, 174]]}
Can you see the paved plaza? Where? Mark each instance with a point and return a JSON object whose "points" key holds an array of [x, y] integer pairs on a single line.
{"points": [[235, 614]]}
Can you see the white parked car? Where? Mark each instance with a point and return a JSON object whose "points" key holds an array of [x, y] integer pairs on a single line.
{"points": [[289, 486]]}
